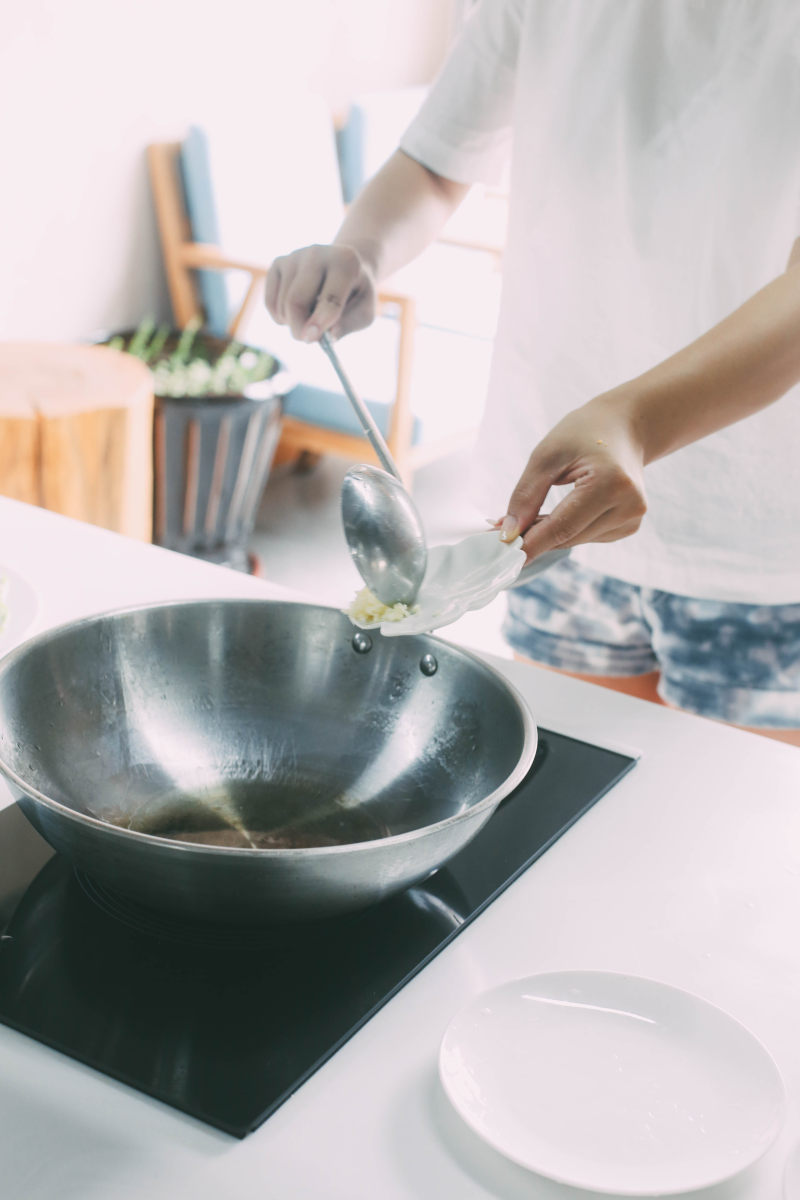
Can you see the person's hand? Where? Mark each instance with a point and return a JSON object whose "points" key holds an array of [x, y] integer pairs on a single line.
{"points": [[319, 289], [596, 449]]}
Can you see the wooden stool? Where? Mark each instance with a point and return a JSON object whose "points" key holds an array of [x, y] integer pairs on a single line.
{"points": [[76, 433]]}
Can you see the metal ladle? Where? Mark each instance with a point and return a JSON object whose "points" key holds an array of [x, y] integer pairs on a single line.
{"points": [[382, 527]]}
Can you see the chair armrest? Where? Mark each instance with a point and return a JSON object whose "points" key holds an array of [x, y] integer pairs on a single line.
{"points": [[205, 256], [407, 304]]}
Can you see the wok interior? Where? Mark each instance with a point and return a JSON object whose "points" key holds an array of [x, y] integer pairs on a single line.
{"points": [[254, 724]]}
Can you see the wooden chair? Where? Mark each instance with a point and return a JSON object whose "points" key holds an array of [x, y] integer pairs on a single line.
{"points": [[423, 373], [183, 257]]}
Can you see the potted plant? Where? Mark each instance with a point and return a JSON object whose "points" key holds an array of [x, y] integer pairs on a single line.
{"points": [[218, 409]]}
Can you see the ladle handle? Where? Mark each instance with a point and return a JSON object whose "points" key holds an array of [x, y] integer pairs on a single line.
{"points": [[361, 411]]}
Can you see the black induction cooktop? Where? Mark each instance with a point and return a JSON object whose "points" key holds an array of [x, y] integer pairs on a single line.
{"points": [[225, 1023]]}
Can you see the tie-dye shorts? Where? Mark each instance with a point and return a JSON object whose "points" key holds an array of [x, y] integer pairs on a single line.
{"points": [[734, 662]]}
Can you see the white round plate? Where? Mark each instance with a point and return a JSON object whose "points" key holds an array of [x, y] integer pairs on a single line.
{"points": [[19, 605], [612, 1082], [791, 1177]]}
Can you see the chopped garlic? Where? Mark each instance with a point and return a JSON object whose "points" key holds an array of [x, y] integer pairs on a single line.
{"points": [[367, 609]]}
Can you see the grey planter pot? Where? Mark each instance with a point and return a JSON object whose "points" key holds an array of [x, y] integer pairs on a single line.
{"points": [[212, 457]]}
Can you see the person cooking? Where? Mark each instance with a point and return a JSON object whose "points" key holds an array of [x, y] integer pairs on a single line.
{"points": [[647, 308]]}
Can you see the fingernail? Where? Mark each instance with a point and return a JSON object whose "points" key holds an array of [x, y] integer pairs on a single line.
{"points": [[311, 333], [494, 522], [509, 529]]}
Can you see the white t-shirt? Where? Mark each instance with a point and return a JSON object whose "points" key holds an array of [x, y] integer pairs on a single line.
{"points": [[655, 186]]}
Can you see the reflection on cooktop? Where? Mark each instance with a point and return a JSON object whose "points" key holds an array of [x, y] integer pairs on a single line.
{"points": [[225, 1022]]}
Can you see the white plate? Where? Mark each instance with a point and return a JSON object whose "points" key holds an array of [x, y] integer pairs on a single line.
{"points": [[613, 1083], [791, 1177], [462, 577], [20, 604]]}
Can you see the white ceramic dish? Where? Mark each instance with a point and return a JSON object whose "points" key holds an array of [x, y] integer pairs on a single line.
{"points": [[19, 605], [791, 1177], [612, 1082], [459, 578]]}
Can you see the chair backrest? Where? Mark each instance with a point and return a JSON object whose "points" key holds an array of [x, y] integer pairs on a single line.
{"points": [[194, 292], [194, 163], [174, 229], [370, 132], [261, 189]]}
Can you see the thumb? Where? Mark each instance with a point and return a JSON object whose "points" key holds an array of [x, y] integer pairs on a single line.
{"points": [[528, 497]]}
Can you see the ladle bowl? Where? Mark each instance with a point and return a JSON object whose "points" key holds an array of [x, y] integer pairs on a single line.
{"points": [[384, 534]]}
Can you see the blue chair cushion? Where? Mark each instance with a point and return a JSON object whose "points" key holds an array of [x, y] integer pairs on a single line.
{"points": [[350, 153], [195, 168], [332, 410]]}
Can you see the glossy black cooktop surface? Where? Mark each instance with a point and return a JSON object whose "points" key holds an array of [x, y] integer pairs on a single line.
{"points": [[225, 1023]]}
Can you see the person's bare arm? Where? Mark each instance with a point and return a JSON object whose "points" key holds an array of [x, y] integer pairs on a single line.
{"points": [[400, 211], [397, 214], [743, 364]]}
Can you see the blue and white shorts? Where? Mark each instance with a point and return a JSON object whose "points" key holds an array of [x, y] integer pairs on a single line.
{"points": [[733, 662]]}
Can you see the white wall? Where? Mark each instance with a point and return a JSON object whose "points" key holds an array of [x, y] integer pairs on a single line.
{"points": [[86, 84]]}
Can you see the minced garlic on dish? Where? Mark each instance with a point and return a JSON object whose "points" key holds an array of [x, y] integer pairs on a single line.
{"points": [[367, 609]]}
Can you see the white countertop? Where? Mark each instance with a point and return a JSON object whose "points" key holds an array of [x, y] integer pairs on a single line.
{"points": [[688, 872]]}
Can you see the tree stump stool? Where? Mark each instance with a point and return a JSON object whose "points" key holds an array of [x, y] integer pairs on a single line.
{"points": [[76, 433]]}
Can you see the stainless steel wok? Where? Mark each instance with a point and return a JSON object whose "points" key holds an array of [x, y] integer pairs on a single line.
{"points": [[255, 761]]}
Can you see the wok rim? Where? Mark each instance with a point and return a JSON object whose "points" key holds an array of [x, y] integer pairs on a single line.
{"points": [[284, 854]]}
